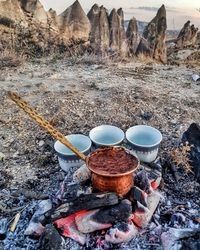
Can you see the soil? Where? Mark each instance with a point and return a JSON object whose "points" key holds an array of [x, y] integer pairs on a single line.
{"points": [[112, 161], [76, 97]]}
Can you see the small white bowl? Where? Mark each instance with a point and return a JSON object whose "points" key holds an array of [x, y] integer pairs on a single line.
{"points": [[106, 135], [66, 157], [144, 141]]}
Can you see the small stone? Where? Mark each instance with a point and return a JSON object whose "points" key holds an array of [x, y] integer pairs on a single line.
{"points": [[189, 205], [16, 154], [173, 122], [169, 203], [146, 115], [41, 143], [2, 156]]}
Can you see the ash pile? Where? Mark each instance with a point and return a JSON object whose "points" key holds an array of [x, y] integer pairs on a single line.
{"points": [[161, 211]]}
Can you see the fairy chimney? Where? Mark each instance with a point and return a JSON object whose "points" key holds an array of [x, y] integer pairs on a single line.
{"points": [[187, 36], [74, 24], [155, 34], [99, 35], [133, 36], [118, 41]]}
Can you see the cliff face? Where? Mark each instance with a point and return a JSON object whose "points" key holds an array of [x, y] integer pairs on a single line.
{"points": [[27, 26]]}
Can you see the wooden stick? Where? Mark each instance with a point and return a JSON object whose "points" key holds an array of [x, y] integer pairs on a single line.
{"points": [[14, 224], [44, 124]]}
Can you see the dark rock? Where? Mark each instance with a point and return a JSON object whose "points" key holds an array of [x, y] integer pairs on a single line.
{"points": [[99, 34], [51, 239], [192, 135], [147, 115], [155, 34], [3, 228], [133, 36], [143, 48]]}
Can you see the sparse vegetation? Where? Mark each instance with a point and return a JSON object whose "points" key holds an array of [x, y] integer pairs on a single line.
{"points": [[180, 157], [143, 58], [10, 58]]}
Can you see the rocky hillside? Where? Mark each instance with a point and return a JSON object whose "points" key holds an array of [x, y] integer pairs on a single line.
{"points": [[26, 26]]}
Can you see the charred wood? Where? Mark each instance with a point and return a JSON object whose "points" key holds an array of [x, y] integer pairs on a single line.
{"points": [[85, 202]]}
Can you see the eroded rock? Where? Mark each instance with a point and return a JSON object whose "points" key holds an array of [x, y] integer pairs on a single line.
{"points": [[155, 34], [133, 36], [187, 36], [74, 24], [99, 34], [36, 9], [118, 43]]}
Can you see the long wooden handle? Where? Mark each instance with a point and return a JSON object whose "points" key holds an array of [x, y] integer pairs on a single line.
{"points": [[44, 124]]}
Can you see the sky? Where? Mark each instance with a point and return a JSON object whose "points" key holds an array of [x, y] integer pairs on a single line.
{"points": [[178, 11]]}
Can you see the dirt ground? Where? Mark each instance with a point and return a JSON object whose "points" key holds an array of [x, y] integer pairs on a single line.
{"points": [[78, 97]]}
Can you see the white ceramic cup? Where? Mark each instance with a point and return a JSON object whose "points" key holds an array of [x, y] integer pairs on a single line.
{"points": [[106, 135], [144, 141]]}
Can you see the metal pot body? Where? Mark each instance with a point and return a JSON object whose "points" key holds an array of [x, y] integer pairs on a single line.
{"points": [[120, 185]]}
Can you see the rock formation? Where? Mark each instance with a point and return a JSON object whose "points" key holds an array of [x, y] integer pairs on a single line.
{"points": [[11, 9], [36, 9], [74, 24], [26, 26], [99, 34], [133, 36], [118, 41], [198, 38], [155, 34], [143, 48], [187, 36]]}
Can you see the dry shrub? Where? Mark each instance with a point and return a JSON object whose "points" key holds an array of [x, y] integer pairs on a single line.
{"points": [[10, 59], [180, 157], [145, 58]]}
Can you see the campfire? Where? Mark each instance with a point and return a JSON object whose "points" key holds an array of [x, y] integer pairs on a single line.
{"points": [[78, 210], [111, 200]]}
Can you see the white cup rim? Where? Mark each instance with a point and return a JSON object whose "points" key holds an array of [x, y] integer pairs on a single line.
{"points": [[57, 143], [144, 126], [106, 126]]}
